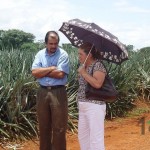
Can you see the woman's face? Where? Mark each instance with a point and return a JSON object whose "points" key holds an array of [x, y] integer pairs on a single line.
{"points": [[81, 55]]}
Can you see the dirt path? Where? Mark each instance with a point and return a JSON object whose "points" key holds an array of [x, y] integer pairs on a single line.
{"points": [[128, 134], [120, 134]]}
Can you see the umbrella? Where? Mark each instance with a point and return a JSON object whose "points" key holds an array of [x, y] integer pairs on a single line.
{"points": [[78, 32]]}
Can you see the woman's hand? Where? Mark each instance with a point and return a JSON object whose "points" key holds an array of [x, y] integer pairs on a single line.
{"points": [[96, 80], [81, 70]]}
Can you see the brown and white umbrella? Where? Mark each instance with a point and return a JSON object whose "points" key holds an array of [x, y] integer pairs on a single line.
{"points": [[78, 32]]}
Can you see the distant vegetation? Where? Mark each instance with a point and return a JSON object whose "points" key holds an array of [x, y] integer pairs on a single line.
{"points": [[18, 88], [18, 39]]}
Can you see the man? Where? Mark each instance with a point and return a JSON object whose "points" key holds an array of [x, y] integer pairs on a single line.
{"points": [[51, 67]]}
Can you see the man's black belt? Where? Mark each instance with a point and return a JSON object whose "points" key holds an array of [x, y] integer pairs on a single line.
{"points": [[52, 87]]}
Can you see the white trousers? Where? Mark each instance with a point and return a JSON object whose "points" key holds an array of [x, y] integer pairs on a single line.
{"points": [[91, 126]]}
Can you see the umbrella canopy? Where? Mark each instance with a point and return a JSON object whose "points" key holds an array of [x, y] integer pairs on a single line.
{"points": [[78, 32]]}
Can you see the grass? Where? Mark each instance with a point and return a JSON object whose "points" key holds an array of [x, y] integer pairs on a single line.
{"points": [[138, 112], [141, 107]]}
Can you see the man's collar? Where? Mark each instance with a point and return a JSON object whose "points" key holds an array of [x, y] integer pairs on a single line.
{"points": [[47, 54]]}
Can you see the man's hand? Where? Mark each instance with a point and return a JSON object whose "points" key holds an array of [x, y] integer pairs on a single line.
{"points": [[42, 72], [56, 74]]}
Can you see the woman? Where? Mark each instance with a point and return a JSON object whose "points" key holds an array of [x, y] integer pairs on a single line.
{"points": [[91, 112]]}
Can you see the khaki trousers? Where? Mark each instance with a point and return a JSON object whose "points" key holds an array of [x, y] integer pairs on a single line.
{"points": [[52, 112]]}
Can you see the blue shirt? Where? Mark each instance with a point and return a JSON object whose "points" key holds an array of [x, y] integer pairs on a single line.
{"points": [[59, 59]]}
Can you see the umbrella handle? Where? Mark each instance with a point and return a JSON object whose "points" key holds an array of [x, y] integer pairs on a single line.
{"points": [[88, 55]]}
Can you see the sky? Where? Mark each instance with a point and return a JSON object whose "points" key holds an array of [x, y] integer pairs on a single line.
{"points": [[129, 20]]}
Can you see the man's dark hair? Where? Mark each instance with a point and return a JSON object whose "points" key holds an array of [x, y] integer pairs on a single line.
{"points": [[51, 32]]}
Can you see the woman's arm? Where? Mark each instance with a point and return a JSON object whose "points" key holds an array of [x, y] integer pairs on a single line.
{"points": [[96, 80]]}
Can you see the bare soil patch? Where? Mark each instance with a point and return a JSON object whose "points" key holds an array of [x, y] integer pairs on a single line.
{"points": [[130, 133]]}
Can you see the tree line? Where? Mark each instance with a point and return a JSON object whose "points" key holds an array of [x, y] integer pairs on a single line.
{"points": [[18, 39]]}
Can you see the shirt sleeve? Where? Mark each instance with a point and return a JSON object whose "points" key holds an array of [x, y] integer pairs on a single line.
{"points": [[63, 63], [99, 67], [37, 62]]}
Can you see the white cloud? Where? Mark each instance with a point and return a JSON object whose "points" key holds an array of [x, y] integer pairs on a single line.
{"points": [[10, 4], [121, 3], [38, 17], [125, 6], [129, 33], [33, 16]]}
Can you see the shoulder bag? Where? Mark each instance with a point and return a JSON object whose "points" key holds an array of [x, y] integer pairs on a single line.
{"points": [[107, 92]]}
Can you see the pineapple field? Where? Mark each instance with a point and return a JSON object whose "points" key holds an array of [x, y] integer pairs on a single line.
{"points": [[18, 88]]}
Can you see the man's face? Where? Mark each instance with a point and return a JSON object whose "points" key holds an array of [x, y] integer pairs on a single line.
{"points": [[52, 45]]}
